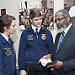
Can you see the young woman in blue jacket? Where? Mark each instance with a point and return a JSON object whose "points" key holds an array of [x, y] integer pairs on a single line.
{"points": [[7, 52]]}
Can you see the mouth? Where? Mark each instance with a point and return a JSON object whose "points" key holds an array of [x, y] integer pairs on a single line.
{"points": [[59, 26]]}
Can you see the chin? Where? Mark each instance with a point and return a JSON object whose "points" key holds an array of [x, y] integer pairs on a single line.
{"points": [[60, 30], [38, 25]]}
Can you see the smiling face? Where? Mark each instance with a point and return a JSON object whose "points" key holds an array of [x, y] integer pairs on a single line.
{"points": [[36, 21]]}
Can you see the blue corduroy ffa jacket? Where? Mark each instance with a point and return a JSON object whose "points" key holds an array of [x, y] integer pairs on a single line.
{"points": [[7, 57], [32, 48]]}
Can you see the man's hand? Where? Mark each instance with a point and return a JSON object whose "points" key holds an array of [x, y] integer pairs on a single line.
{"points": [[57, 65], [23, 72]]}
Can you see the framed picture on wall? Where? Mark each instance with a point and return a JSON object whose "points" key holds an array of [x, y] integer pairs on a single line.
{"points": [[45, 7], [3, 11]]}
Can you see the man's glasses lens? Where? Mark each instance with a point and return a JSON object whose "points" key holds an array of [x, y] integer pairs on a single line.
{"points": [[59, 19]]}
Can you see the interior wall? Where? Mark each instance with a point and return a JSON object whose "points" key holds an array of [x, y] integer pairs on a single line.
{"points": [[58, 4]]}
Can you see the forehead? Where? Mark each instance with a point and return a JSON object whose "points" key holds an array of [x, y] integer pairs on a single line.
{"points": [[13, 22], [59, 15], [37, 17]]}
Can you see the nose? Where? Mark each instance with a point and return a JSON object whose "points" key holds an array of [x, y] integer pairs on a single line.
{"points": [[57, 22], [15, 27]]}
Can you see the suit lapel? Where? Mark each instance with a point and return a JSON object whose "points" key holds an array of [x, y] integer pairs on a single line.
{"points": [[65, 38]]}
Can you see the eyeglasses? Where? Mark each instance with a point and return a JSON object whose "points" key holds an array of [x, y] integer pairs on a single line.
{"points": [[59, 19]]}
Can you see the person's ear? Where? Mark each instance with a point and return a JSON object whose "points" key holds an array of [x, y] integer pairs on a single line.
{"points": [[68, 18], [5, 28]]}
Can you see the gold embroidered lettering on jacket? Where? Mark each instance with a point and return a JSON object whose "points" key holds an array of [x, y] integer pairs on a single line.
{"points": [[30, 37], [7, 51]]}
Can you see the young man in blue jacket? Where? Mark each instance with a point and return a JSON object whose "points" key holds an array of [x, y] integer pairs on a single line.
{"points": [[35, 42]]}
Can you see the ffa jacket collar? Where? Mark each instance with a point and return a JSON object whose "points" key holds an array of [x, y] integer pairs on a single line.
{"points": [[30, 28], [3, 39]]}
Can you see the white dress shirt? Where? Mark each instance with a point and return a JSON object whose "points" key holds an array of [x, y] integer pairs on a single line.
{"points": [[34, 28], [4, 36]]}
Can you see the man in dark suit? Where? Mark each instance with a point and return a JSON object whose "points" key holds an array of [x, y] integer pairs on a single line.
{"points": [[65, 53]]}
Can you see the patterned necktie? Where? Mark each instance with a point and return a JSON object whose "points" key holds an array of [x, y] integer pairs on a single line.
{"points": [[60, 40]]}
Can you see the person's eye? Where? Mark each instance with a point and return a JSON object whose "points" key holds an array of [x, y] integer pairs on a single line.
{"points": [[13, 26], [36, 19]]}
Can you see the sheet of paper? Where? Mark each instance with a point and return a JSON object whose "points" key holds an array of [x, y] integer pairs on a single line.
{"points": [[44, 62]]}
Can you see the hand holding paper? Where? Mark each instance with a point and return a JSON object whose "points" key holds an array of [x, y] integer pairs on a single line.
{"points": [[44, 62]]}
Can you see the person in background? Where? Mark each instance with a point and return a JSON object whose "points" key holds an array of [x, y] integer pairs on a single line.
{"points": [[64, 53], [7, 52], [35, 42], [72, 14]]}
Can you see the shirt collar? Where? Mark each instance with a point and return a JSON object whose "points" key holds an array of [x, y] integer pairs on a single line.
{"points": [[66, 30], [34, 28], [4, 36]]}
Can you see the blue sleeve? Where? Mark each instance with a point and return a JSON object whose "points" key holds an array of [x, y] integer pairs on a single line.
{"points": [[1, 65], [22, 46], [50, 44]]}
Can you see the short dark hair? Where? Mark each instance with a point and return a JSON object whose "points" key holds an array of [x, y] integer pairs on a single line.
{"points": [[34, 13], [5, 21]]}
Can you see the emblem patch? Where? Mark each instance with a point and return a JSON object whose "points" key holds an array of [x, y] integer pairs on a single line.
{"points": [[43, 36]]}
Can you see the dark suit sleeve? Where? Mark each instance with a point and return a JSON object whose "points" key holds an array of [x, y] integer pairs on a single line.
{"points": [[69, 65]]}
